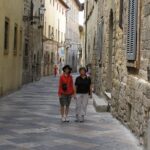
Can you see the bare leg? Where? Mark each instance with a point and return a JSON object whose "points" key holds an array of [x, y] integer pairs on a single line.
{"points": [[66, 111], [62, 111]]}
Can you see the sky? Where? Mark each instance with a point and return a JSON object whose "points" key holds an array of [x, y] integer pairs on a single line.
{"points": [[81, 15]]}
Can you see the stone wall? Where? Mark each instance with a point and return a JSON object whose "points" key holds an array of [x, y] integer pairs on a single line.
{"points": [[126, 82], [130, 90]]}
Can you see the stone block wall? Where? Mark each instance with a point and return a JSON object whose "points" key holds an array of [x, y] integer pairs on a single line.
{"points": [[130, 86]]}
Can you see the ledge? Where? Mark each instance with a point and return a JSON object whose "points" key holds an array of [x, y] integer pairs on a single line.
{"points": [[100, 104]]}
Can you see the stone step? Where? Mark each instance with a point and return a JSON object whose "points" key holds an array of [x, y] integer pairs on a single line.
{"points": [[100, 104]]}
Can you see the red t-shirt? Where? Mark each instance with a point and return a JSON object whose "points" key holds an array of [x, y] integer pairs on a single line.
{"points": [[68, 80]]}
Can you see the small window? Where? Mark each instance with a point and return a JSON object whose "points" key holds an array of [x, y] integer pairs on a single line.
{"points": [[56, 35], [6, 36], [20, 48], [49, 31], [148, 73], [26, 51], [15, 39], [52, 34], [52, 57], [57, 6]]}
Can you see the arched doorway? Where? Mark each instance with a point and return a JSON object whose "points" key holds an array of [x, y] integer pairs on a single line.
{"points": [[110, 53]]}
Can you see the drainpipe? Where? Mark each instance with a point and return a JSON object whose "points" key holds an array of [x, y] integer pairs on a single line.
{"points": [[148, 137], [86, 31]]}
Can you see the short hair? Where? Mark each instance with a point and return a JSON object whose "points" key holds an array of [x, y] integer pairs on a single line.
{"points": [[82, 68]]}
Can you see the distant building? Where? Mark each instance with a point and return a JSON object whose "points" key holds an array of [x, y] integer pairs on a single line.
{"points": [[33, 48], [72, 33], [54, 35], [11, 45]]}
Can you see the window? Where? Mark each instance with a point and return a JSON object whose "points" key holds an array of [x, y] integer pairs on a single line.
{"points": [[15, 38], [100, 40], [148, 73], [52, 57], [6, 36], [52, 33], [61, 37], [20, 42], [132, 30], [121, 15], [45, 28], [57, 6], [56, 34], [26, 50], [49, 31]]}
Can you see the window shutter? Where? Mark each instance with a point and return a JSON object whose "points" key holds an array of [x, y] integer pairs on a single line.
{"points": [[100, 38], [132, 30]]}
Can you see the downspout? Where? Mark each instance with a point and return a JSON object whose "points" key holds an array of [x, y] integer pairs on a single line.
{"points": [[86, 31]]}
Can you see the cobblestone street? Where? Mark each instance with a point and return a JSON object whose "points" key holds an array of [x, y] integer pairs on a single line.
{"points": [[29, 120]]}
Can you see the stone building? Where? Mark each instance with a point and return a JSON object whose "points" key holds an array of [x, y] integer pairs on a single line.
{"points": [[54, 35], [11, 45], [121, 58], [33, 26], [72, 33]]}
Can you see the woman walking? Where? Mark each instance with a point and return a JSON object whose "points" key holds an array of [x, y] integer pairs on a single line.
{"points": [[65, 92], [82, 89], [55, 70]]}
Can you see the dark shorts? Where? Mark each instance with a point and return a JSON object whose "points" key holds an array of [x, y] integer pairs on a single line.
{"points": [[65, 100]]}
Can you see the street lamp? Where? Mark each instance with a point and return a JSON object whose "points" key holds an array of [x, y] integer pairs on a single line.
{"points": [[42, 10]]}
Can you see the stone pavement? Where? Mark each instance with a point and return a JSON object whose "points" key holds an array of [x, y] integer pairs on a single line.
{"points": [[29, 120]]}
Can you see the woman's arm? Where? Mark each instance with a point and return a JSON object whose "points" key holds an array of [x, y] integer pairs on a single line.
{"points": [[75, 88]]}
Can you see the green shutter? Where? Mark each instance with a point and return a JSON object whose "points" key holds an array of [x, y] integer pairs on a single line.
{"points": [[132, 30]]}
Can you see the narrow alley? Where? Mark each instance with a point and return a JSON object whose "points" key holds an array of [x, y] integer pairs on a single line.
{"points": [[29, 120]]}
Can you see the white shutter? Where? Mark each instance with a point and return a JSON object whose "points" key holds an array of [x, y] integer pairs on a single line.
{"points": [[132, 30]]}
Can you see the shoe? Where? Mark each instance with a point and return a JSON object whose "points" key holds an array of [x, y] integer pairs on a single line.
{"points": [[63, 119], [67, 119], [82, 119]]}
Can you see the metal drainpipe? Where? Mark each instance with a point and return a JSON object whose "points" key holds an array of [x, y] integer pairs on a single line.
{"points": [[148, 137], [66, 61], [86, 31]]}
